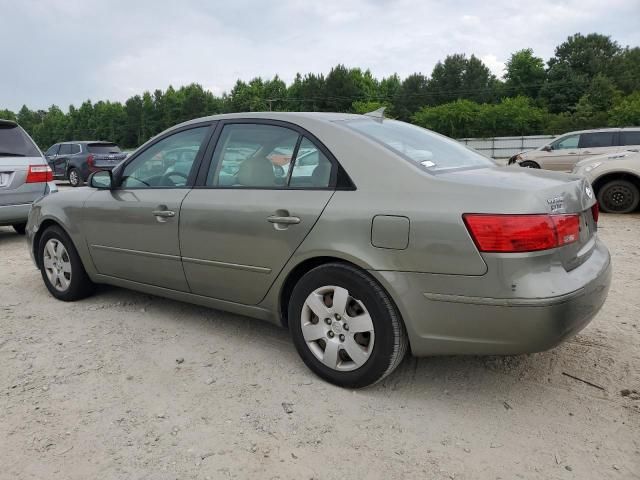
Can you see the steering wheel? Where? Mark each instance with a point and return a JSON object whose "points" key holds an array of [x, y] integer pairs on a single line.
{"points": [[166, 178]]}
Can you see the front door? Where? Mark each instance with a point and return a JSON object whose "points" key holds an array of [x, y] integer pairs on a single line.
{"points": [[238, 230], [60, 161], [563, 155], [132, 231]]}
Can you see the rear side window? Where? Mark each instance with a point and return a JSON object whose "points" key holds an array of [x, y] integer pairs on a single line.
{"points": [[65, 149], [312, 169], [75, 149], [595, 140], [14, 142], [103, 148], [630, 138]]}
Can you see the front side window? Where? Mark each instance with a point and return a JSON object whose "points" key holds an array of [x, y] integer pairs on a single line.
{"points": [[433, 151], [567, 142], [253, 156], [52, 150], [158, 165], [597, 140], [14, 142], [630, 138], [65, 149]]}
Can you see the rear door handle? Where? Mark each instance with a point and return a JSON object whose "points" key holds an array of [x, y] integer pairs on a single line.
{"points": [[162, 215], [283, 220]]}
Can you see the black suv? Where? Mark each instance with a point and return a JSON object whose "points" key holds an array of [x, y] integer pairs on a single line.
{"points": [[75, 161]]}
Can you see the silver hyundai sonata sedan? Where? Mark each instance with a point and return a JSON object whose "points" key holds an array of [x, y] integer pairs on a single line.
{"points": [[386, 238]]}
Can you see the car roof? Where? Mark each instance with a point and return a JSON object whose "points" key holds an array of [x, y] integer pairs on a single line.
{"points": [[607, 129], [85, 142], [283, 116]]}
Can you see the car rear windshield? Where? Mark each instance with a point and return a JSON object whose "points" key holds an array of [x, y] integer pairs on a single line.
{"points": [[14, 142], [433, 151], [103, 148]]}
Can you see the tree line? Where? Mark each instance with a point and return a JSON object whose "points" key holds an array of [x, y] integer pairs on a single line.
{"points": [[591, 81]]}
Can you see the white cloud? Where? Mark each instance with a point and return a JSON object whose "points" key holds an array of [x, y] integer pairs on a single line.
{"points": [[65, 51], [496, 66]]}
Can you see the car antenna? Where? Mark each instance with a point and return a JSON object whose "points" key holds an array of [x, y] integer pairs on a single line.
{"points": [[377, 114]]}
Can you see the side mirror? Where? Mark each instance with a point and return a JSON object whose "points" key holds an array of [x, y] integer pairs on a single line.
{"points": [[101, 180], [547, 148]]}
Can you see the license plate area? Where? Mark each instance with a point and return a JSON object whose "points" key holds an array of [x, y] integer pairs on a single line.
{"points": [[5, 178]]}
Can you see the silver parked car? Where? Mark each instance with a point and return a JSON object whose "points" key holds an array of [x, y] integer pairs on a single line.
{"points": [[398, 238], [24, 175], [568, 149]]}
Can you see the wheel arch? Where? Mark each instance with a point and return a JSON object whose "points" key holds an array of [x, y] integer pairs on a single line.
{"points": [[44, 225], [599, 182], [308, 264]]}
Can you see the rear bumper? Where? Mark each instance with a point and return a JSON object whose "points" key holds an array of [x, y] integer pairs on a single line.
{"points": [[10, 214], [451, 324]]}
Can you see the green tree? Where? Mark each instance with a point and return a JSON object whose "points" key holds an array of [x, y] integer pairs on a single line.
{"points": [[626, 112], [524, 74], [459, 77], [411, 95]]}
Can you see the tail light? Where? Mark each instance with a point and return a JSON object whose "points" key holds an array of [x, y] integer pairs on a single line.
{"points": [[91, 162], [521, 233], [39, 174], [595, 211]]}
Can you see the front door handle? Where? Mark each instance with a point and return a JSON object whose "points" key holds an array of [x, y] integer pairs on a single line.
{"points": [[163, 213], [283, 220]]}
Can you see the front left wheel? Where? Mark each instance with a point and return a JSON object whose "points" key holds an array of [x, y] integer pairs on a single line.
{"points": [[61, 267], [345, 326]]}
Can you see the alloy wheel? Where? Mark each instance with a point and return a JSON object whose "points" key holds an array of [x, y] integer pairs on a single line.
{"points": [[57, 264], [74, 179], [337, 328]]}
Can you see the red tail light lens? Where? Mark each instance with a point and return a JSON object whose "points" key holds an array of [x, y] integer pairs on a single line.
{"points": [[595, 211], [521, 233], [91, 161], [39, 174]]}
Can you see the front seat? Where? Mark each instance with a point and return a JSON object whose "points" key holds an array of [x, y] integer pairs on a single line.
{"points": [[256, 172], [321, 175]]}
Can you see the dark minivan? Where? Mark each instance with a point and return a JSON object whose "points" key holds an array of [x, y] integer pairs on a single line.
{"points": [[75, 161]]}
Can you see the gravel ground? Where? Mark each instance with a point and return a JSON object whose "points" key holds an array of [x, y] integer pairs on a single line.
{"points": [[125, 385]]}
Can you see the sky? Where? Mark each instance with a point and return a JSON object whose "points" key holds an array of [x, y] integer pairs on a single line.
{"points": [[63, 52]]}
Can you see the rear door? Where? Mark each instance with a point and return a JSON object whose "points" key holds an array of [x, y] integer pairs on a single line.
{"points": [[252, 209], [59, 163], [563, 155], [598, 143], [132, 231]]}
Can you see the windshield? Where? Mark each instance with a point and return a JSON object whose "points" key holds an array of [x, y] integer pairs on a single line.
{"points": [[15, 142], [103, 148], [433, 151]]}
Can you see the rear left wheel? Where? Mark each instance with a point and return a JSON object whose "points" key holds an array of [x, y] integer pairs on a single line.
{"points": [[345, 326]]}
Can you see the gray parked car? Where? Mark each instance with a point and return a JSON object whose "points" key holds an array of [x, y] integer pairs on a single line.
{"points": [[24, 175], [75, 161], [398, 238]]}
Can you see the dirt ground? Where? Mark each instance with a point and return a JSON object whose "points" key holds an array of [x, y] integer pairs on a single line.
{"points": [[125, 385]]}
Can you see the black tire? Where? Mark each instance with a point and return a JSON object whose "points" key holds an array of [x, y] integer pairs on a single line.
{"points": [[80, 286], [618, 196], [75, 179], [529, 164], [390, 344], [20, 228]]}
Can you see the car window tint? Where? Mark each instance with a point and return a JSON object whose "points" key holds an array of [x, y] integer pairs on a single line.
{"points": [[53, 150], [166, 163], [252, 155], [75, 148], [65, 149], [311, 168], [15, 141], [595, 140], [567, 142], [630, 138]]}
